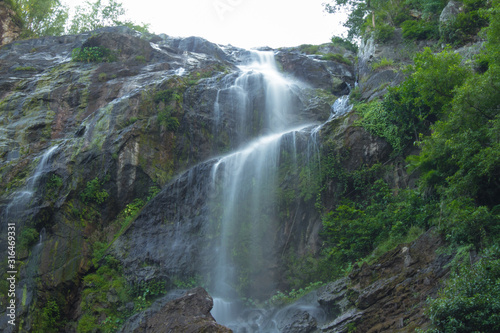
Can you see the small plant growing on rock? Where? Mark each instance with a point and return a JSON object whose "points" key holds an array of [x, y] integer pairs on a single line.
{"points": [[94, 193], [93, 54], [337, 58], [383, 63], [140, 58]]}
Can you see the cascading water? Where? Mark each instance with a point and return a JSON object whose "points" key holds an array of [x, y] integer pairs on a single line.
{"points": [[244, 201]]}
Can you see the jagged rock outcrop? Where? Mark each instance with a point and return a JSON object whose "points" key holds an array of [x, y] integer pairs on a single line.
{"points": [[188, 313], [337, 78], [450, 12], [10, 28], [388, 295], [374, 79]]}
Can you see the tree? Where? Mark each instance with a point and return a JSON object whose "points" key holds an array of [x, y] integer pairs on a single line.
{"points": [[42, 17], [96, 15], [358, 9]]}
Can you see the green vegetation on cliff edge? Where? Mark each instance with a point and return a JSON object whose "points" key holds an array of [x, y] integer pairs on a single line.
{"points": [[449, 113]]}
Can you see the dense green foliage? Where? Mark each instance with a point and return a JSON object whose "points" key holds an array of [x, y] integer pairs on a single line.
{"points": [[467, 23], [408, 109], [28, 237], [42, 17], [451, 112], [359, 10], [370, 216], [470, 302], [382, 17], [93, 193], [337, 57], [50, 318], [168, 102], [50, 17], [99, 14], [420, 30]]}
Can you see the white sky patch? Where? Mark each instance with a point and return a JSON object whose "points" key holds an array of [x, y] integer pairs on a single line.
{"points": [[243, 23]]}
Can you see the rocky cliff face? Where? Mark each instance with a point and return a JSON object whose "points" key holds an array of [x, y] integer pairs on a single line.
{"points": [[388, 295], [126, 125], [122, 153]]}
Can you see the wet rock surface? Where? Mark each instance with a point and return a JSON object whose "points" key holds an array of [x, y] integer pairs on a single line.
{"points": [[110, 124], [388, 295], [161, 116], [334, 77], [188, 313]]}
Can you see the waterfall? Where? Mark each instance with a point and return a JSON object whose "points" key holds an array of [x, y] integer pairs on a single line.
{"points": [[244, 196], [259, 99]]}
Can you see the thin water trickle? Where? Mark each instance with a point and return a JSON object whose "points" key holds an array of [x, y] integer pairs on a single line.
{"points": [[21, 199], [16, 212]]}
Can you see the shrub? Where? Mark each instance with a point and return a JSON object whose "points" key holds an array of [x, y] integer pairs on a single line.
{"points": [[28, 238], [93, 54], [379, 122], [383, 33], [342, 42], [140, 58], [383, 63], [337, 58], [309, 49], [281, 298], [49, 320], [166, 119], [93, 192], [470, 302], [55, 182], [466, 24], [419, 30]]}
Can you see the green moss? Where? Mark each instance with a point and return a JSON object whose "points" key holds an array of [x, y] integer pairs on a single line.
{"points": [[103, 77], [25, 69], [105, 293]]}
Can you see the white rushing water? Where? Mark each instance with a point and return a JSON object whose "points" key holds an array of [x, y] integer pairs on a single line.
{"points": [[244, 205]]}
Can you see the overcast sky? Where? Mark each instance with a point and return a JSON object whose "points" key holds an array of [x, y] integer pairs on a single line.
{"points": [[243, 23]]}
